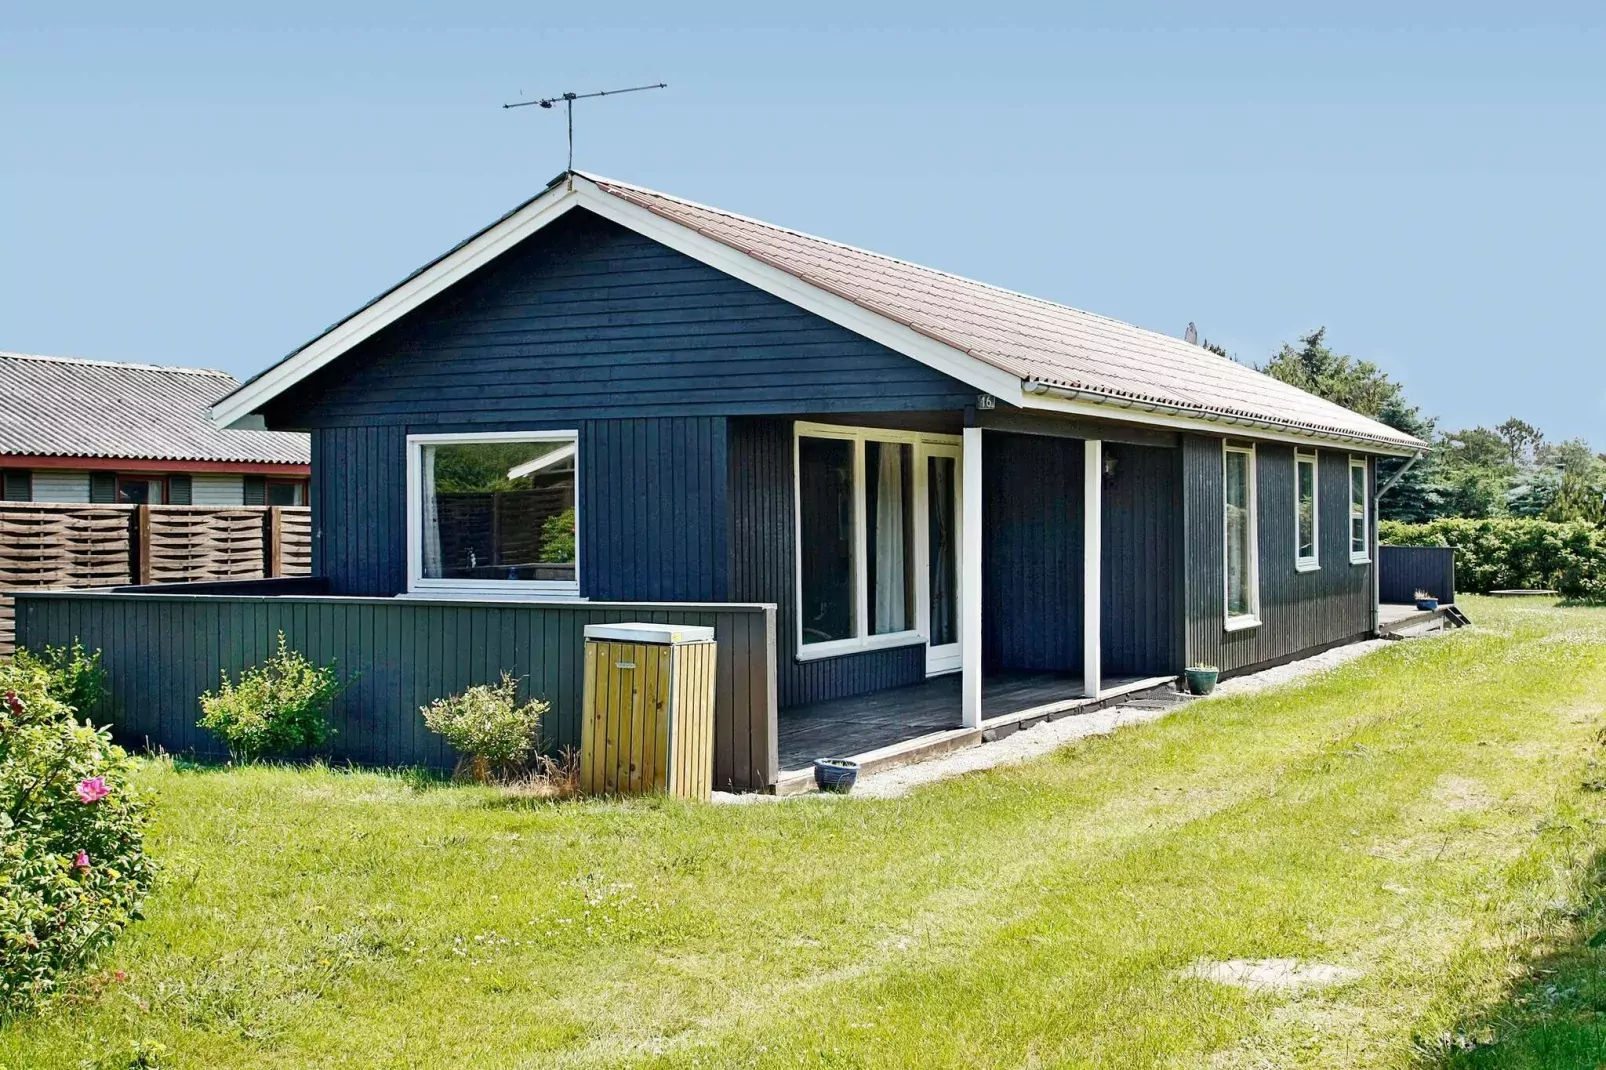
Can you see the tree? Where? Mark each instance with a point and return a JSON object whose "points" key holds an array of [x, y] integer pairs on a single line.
{"points": [[1363, 387]]}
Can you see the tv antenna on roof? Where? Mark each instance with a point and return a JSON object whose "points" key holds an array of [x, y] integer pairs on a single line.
{"points": [[569, 98]]}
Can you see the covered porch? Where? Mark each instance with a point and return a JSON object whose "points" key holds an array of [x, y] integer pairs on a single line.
{"points": [[1066, 590]]}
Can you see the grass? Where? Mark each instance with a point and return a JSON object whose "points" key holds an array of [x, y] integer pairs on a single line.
{"points": [[1426, 815]]}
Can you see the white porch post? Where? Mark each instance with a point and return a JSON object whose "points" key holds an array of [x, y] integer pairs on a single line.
{"points": [[1092, 583], [970, 580]]}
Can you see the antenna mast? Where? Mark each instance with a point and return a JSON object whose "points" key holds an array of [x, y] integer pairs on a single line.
{"points": [[569, 98]]}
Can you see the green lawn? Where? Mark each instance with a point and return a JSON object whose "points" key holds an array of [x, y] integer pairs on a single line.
{"points": [[1423, 816]]}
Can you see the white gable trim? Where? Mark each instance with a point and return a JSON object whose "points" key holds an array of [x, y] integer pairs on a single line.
{"points": [[553, 205]]}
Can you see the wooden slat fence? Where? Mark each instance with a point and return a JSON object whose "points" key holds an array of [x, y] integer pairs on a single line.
{"points": [[162, 650], [45, 544]]}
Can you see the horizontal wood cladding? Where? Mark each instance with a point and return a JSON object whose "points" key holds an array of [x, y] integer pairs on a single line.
{"points": [[1298, 610], [762, 569], [1031, 553], [589, 320], [162, 651], [651, 508], [1141, 562]]}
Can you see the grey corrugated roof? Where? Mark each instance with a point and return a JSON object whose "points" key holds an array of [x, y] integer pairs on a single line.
{"points": [[1062, 348], [65, 407]]}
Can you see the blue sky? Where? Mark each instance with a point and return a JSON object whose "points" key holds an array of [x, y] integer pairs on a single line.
{"points": [[199, 185]]}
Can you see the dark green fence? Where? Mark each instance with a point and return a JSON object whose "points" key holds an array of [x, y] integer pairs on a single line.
{"points": [[162, 650]]}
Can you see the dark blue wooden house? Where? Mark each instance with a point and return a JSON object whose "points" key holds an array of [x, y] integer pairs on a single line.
{"points": [[914, 503]]}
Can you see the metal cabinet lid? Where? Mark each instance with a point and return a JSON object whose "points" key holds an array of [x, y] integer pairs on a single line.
{"points": [[650, 633]]}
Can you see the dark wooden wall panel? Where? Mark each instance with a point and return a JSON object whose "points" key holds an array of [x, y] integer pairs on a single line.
{"points": [[1405, 569], [762, 569], [1141, 593], [162, 651], [359, 509], [589, 320], [1032, 552], [1298, 610]]}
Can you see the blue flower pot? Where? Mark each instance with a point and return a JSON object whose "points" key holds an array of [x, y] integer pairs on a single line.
{"points": [[1427, 604], [835, 774], [1201, 681]]}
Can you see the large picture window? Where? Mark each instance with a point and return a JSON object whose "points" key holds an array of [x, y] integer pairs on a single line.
{"points": [[1242, 537], [494, 512], [862, 564], [1307, 526], [1359, 513]]}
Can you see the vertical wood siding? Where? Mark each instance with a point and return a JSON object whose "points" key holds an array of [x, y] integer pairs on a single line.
{"points": [[359, 509], [762, 570], [1298, 610], [1032, 553], [589, 320], [162, 651], [1405, 569], [1141, 562]]}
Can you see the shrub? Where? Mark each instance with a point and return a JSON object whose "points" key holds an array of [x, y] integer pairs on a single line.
{"points": [[72, 863], [74, 676], [487, 726], [557, 537], [277, 708], [1510, 552]]}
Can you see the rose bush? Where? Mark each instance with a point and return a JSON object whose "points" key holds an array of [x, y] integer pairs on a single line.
{"points": [[73, 872]]}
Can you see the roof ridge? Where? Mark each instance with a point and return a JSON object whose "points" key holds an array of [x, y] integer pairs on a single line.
{"points": [[49, 359], [885, 256]]}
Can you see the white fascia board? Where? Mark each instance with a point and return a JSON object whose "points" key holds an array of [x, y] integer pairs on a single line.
{"points": [[1133, 412], [580, 192], [788, 287], [392, 306]]}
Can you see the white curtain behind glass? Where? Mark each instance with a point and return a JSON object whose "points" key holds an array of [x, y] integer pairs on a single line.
{"points": [[889, 543], [432, 527]]}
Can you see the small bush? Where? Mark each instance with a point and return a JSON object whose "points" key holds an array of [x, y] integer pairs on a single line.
{"points": [[278, 708], [557, 537], [72, 863], [487, 726], [75, 676], [1511, 553]]}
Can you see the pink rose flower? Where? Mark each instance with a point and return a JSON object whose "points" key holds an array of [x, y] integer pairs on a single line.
{"points": [[93, 790], [82, 861]]}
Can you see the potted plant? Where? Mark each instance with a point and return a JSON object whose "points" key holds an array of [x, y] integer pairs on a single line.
{"points": [[835, 774], [1201, 678], [1425, 601]]}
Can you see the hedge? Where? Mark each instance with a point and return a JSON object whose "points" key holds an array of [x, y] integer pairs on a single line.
{"points": [[1512, 553]]}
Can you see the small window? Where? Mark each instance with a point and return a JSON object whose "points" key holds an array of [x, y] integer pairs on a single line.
{"points": [[1307, 541], [826, 507], [494, 512], [286, 492], [1359, 513], [1242, 538], [140, 490]]}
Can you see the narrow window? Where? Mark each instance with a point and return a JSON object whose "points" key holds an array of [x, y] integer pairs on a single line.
{"points": [[140, 490], [826, 508], [1359, 513], [1306, 540], [889, 536], [494, 512], [1242, 552]]}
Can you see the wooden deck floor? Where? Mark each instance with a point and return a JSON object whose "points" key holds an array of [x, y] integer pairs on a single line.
{"points": [[849, 726]]}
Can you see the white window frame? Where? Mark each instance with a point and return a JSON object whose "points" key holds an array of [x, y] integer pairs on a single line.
{"points": [[1363, 556], [1252, 618], [862, 640], [1313, 563], [417, 583]]}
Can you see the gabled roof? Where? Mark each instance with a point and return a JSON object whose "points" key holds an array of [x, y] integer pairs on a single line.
{"points": [[65, 407], [1024, 350]]}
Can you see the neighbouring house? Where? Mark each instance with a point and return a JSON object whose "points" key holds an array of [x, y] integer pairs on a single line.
{"points": [[910, 503], [94, 431]]}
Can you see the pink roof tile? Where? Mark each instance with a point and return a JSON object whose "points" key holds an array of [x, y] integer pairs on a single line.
{"points": [[1040, 341]]}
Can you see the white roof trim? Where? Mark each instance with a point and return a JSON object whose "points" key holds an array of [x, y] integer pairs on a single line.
{"points": [[552, 205]]}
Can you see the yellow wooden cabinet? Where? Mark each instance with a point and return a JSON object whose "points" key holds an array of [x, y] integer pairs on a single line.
{"points": [[648, 720]]}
